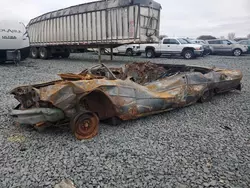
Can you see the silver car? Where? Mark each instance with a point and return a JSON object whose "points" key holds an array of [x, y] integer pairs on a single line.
{"points": [[224, 46]]}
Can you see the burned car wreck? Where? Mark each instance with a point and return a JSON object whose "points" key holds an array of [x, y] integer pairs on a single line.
{"points": [[115, 94]]}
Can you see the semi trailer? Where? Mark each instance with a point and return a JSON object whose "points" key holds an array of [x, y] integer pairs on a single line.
{"points": [[14, 41], [100, 24]]}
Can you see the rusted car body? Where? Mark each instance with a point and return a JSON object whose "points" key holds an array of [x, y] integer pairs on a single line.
{"points": [[114, 94]]}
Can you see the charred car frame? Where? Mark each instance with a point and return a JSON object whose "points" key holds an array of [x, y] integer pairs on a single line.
{"points": [[115, 94]]}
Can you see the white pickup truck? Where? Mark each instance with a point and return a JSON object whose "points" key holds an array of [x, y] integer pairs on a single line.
{"points": [[172, 46]]}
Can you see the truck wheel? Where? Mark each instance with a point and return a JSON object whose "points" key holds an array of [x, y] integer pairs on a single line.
{"points": [[34, 53], [84, 125], [237, 52], [188, 54], [65, 54], [103, 52], [150, 53], [44, 53], [129, 52], [206, 96]]}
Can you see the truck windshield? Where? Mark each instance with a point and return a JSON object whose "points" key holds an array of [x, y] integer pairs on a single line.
{"points": [[189, 41], [232, 41], [183, 41]]}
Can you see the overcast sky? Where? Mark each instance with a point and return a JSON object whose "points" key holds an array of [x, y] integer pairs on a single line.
{"points": [[178, 18]]}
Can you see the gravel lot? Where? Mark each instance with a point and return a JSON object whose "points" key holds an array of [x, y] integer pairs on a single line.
{"points": [[204, 145]]}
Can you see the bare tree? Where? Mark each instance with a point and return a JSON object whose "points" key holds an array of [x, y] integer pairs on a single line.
{"points": [[248, 36], [206, 37], [231, 36]]}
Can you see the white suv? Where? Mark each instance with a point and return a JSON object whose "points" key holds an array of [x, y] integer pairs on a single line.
{"points": [[219, 46]]}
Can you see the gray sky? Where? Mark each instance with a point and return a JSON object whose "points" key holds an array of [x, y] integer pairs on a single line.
{"points": [[178, 18]]}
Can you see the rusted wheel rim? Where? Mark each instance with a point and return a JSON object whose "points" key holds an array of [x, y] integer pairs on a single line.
{"points": [[86, 126]]}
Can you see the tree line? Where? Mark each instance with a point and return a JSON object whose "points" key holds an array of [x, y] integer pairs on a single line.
{"points": [[231, 36]]}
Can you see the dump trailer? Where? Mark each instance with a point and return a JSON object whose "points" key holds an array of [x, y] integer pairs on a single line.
{"points": [[100, 24], [14, 41]]}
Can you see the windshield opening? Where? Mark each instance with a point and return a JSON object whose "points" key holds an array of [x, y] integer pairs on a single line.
{"points": [[183, 41]]}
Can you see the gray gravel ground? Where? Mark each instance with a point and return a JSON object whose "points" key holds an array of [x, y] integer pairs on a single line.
{"points": [[204, 145]]}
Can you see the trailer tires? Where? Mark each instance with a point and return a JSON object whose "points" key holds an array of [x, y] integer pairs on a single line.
{"points": [[44, 53], [34, 53], [65, 54]]}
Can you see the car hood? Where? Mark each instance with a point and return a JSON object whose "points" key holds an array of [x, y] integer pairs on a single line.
{"points": [[193, 45], [240, 45]]}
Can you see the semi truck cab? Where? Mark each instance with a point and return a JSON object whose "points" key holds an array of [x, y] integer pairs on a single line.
{"points": [[14, 41]]}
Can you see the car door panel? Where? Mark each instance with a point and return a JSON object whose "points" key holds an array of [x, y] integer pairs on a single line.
{"points": [[226, 46], [215, 45], [122, 49], [197, 84], [171, 46], [165, 46], [172, 89]]}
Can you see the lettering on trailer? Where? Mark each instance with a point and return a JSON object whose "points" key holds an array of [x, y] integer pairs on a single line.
{"points": [[8, 37], [10, 31]]}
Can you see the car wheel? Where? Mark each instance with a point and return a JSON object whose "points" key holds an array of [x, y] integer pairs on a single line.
{"points": [[103, 51], [206, 53], [33, 53], [188, 54], [129, 52], [206, 96], [209, 52], [44, 53], [150, 53], [84, 125], [237, 52]]}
